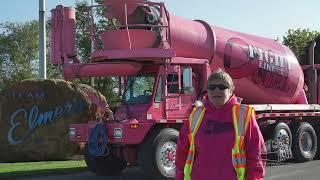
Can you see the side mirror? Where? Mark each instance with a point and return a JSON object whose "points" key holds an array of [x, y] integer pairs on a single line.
{"points": [[187, 81]]}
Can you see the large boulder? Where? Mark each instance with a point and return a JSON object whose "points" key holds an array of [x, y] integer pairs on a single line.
{"points": [[34, 119]]}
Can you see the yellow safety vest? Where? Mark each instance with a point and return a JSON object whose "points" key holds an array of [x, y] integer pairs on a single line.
{"points": [[241, 118]]}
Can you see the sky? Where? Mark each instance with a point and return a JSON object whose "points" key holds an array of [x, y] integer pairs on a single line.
{"points": [[268, 18]]}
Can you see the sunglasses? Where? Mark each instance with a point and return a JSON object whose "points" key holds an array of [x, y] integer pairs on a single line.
{"points": [[221, 87]]}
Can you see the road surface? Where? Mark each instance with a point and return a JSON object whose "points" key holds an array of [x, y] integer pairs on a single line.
{"points": [[288, 171]]}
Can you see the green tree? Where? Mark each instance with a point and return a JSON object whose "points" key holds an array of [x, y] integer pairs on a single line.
{"points": [[18, 52], [298, 39], [83, 43]]}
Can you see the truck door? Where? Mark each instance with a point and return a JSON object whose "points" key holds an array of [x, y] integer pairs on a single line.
{"points": [[178, 104]]}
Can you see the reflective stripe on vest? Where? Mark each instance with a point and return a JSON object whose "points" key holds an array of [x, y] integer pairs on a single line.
{"points": [[195, 120], [241, 115]]}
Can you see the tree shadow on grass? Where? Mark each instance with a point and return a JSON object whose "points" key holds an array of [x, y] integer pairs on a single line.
{"points": [[41, 172]]}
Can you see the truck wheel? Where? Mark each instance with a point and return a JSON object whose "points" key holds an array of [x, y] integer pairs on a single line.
{"points": [[104, 165], [280, 146], [156, 155], [304, 143]]}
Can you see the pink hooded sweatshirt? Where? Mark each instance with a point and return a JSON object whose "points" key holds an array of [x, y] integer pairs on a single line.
{"points": [[214, 141]]}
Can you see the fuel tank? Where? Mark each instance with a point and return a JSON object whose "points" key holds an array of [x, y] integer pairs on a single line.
{"points": [[263, 70]]}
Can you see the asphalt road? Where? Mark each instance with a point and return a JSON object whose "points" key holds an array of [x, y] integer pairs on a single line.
{"points": [[290, 171], [285, 171]]}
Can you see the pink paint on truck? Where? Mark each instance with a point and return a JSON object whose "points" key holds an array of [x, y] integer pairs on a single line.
{"points": [[164, 61]]}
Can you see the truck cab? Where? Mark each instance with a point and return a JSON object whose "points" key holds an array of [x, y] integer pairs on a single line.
{"points": [[160, 94]]}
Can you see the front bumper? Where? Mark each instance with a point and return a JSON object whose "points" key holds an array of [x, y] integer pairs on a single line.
{"points": [[128, 132]]}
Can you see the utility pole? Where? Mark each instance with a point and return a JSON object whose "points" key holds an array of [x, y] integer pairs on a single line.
{"points": [[42, 40], [92, 47]]}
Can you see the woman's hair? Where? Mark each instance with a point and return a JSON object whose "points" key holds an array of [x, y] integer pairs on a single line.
{"points": [[222, 76]]}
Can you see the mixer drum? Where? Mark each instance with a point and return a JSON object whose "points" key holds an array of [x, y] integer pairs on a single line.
{"points": [[263, 70]]}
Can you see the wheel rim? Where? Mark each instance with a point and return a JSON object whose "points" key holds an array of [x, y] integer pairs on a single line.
{"points": [[167, 157], [306, 142], [283, 137]]}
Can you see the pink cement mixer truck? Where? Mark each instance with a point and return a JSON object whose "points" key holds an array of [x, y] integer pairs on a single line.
{"points": [[164, 62]]}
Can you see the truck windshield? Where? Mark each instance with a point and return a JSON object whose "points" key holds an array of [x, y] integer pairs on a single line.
{"points": [[139, 89]]}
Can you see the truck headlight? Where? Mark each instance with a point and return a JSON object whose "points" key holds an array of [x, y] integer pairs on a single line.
{"points": [[72, 132], [117, 133]]}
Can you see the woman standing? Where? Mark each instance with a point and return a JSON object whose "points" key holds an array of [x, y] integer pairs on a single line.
{"points": [[222, 139]]}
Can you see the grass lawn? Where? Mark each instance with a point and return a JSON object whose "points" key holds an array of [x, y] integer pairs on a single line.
{"points": [[10, 170]]}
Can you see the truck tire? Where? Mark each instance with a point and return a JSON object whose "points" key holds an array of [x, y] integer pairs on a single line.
{"points": [[304, 143], [156, 155], [281, 136], [317, 129], [104, 165]]}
